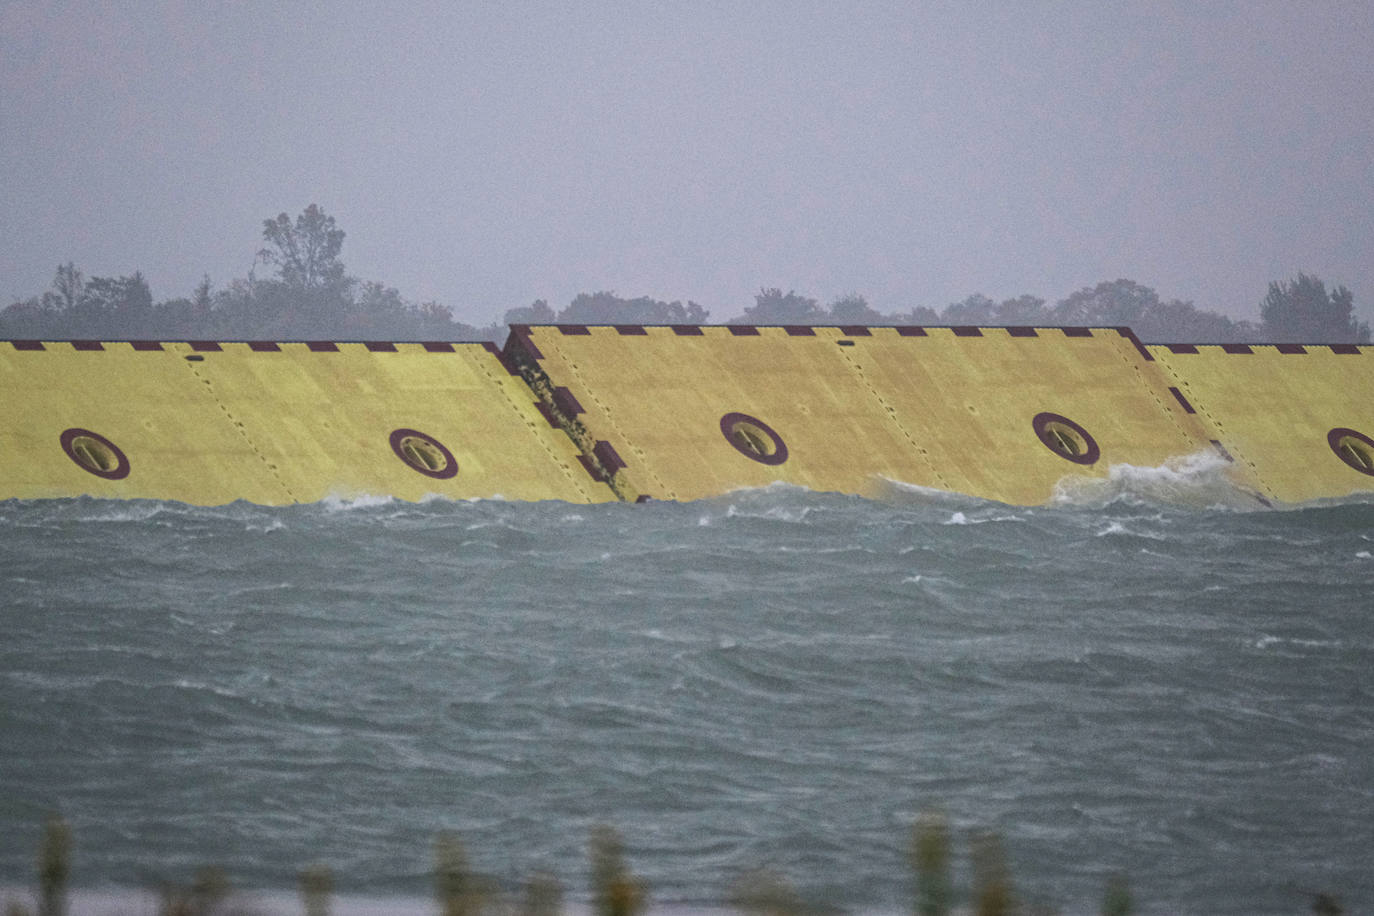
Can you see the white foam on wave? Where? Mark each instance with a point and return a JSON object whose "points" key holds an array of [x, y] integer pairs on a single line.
{"points": [[889, 489], [337, 503], [960, 518], [1199, 480], [1266, 641]]}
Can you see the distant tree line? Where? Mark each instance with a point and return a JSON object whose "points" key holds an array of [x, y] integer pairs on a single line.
{"points": [[311, 295], [1296, 311]]}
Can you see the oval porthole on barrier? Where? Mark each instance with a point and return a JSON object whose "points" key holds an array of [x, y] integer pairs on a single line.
{"points": [[424, 453], [94, 453], [1354, 448], [1066, 438], [753, 438]]}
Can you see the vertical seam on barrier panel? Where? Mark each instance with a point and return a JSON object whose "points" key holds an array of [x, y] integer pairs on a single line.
{"points": [[1150, 387], [1130, 334], [557, 459], [502, 357], [607, 416], [894, 418], [522, 335], [1217, 428], [235, 422]]}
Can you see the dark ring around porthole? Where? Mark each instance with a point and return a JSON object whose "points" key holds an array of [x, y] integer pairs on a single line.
{"points": [[424, 453], [94, 454], [1353, 447], [1066, 438], [753, 438]]}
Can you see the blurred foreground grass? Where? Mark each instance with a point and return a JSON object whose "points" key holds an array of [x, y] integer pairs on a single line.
{"points": [[615, 889]]}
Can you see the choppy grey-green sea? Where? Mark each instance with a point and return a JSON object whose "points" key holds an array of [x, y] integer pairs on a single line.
{"points": [[1148, 677]]}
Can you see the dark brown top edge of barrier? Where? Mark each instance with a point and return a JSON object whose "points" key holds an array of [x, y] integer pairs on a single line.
{"points": [[257, 346]]}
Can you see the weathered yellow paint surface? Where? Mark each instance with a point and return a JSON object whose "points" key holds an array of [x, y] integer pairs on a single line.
{"points": [[947, 410], [1273, 410], [179, 443], [290, 425]]}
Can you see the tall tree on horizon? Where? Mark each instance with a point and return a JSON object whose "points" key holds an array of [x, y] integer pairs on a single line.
{"points": [[1303, 311], [305, 253]]}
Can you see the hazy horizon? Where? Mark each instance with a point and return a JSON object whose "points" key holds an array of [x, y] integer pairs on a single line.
{"points": [[488, 157]]}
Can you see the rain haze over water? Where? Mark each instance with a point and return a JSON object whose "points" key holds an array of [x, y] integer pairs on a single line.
{"points": [[487, 155]]}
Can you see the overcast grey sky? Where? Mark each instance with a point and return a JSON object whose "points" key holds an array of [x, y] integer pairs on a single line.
{"points": [[488, 154]]}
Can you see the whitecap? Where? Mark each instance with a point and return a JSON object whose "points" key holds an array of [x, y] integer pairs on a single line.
{"points": [[335, 503], [1201, 480]]}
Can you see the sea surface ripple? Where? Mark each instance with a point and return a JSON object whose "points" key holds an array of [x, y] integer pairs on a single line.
{"points": [[773, 678]]}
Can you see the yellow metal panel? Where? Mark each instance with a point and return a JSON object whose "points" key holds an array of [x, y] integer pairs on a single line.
{"points": [[969, 397], [291, 422], [178, 443], [1274, 407], [947, 409], [322, 418]]}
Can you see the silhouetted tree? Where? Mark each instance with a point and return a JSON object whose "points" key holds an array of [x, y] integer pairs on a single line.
{"points": [[1303, 311], [1023, 310], [920, 315], [771, 306], [976, 309], [1181, 322], [1108, 304], [305, 253], [537, 312], [608, 308], [114, 306], [854, 309], [67, 288]]}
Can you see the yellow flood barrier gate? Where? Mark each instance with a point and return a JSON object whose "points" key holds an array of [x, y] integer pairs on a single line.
{"points": [[631, 412], [276, 423]]}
